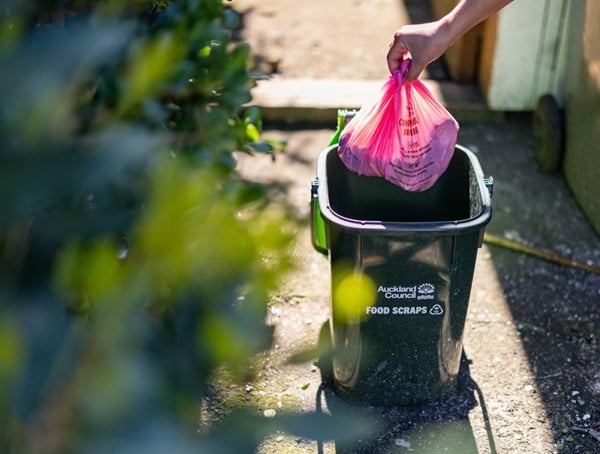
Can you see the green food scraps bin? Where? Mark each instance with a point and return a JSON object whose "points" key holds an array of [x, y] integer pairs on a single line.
{"points": [[402, 266]]}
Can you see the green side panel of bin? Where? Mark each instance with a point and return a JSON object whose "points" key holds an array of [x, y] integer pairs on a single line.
{"points": [[419, 250], [319, 238], [317, 226]]}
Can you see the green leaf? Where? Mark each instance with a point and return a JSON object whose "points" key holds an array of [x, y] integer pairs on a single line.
{"points": [[252, 133], [261, 147], [231, 18], [253, 116], [204, 52]]}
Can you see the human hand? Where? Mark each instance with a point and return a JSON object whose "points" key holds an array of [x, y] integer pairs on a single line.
{"points": [[424, 43]]}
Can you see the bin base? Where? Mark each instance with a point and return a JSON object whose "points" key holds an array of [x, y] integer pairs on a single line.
{"points": [[365, 371]]}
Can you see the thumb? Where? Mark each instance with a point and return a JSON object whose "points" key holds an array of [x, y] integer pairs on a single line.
{"points": [[394, 55]]}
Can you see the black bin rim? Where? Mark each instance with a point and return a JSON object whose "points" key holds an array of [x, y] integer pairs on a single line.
{"points": [[459, 226]]}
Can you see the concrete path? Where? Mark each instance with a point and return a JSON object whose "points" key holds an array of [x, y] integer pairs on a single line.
{"points": [[531, 382], [533, 375], [298, 101]]}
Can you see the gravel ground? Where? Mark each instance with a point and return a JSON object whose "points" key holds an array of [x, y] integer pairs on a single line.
{"points": [[531, 374], [530, 379]]}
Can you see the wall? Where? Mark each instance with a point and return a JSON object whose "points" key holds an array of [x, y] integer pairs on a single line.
{"points": [[524, 54], [582, 109]]}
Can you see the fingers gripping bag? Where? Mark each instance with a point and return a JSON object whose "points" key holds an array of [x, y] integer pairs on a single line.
{"points": [[406, 136]]}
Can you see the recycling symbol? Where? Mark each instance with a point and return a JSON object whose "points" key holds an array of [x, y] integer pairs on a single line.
{"points": [[436, 310]]}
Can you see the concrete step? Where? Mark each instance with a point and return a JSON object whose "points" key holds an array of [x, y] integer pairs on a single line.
{"points": [[317, 100]]}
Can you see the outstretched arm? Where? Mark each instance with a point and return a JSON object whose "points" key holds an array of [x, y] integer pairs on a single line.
{"points": [[427, 42]]}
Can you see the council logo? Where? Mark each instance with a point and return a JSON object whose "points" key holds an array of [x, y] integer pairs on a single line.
{"points": [[426, 288], [426, 291]]}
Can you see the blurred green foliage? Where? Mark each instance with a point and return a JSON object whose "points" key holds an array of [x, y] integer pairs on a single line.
{"points": [[133, 259]]}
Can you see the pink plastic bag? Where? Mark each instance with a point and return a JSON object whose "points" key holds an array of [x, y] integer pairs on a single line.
{"points": [[406, 136]]}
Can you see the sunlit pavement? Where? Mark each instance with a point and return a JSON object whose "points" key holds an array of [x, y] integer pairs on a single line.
{"points": [[530, 332], [530, 382]]}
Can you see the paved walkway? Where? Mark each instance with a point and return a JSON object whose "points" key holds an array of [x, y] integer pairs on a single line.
{"points": [[531, 327], [532, 381]]}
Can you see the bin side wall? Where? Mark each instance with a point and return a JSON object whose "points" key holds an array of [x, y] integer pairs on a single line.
{"points": [[406, 347]]}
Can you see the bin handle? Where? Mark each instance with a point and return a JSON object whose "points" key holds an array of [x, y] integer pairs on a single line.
{"points": [[489, 184]]}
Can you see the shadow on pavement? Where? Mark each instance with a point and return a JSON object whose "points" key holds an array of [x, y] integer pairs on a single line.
{"points": [[542, 312], [442, 426], [553, 317], [554, 307]]}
